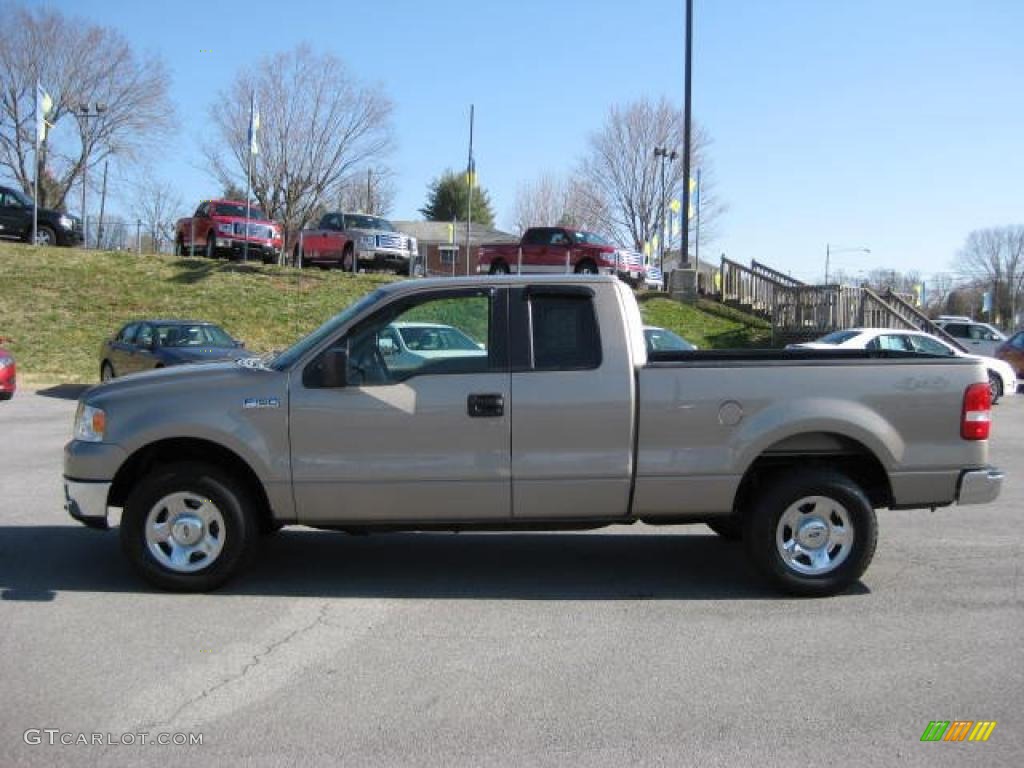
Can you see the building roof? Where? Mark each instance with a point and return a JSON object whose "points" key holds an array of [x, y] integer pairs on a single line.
{"points": [[436, 232]]}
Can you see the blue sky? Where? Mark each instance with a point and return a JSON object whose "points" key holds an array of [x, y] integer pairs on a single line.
{"points": [[894, 125]]}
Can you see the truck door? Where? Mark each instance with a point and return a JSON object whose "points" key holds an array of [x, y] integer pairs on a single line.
{"points": [[572, 414], [417, 434]]}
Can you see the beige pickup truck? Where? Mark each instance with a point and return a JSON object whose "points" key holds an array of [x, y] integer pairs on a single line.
{"points": [[525, 403]]}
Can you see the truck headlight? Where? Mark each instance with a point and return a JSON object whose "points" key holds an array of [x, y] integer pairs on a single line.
{"points": [[66, 222], [90, 423], [226, 228]]}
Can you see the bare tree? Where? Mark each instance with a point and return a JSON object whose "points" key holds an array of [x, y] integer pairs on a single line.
{"points": [[318, 124], [623, 177], [995, 257], [76, 63], [367, 191], [551, 200], [158, 206]]}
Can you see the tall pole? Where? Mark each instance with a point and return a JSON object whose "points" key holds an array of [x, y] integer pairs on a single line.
{"points": [[85, 216], [696, 238], [103, 205], [685, 249], [828, 254], [469, 184], [35, 180], [369, 190], [248, 174], [661, 218]]}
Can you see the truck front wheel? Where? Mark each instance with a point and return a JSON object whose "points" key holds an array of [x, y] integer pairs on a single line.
{"points": [[812, 532], [211, 247], [499, 268], [586, 268], [188, 527]]}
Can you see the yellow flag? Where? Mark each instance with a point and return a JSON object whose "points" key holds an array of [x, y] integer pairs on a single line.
{"points": [[451, 232], [647, 249], [675, 206]]}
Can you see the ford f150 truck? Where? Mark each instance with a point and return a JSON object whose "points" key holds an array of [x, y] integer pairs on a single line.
{"points": [[219, 228], [553, 249], [353, 240], [558, 419]]}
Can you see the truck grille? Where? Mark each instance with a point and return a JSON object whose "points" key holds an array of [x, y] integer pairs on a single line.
{"points": [[255, 230], [390, 241]]}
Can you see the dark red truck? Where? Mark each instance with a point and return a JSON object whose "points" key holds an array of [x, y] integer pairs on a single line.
{"points": [[218, 228], [552, 249]]}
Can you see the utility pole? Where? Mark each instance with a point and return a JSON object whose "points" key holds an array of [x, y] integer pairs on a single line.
{"points": [[85, 112], [685, 247], [103, 205], [665, 155], [369, 190]]}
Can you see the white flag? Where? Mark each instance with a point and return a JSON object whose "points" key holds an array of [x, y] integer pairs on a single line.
{"points": [[254, 126], [44, 108]]}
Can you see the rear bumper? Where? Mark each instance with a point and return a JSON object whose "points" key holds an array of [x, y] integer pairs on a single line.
{"points": [[979, 486], [86, 502]]}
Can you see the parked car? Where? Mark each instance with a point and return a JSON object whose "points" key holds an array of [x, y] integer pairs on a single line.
{"points": [[551, 249], [218, 228], [53, 228], [563, 422], [653, 278], [408, 346], [356, 240], [8, 373], [1002, 377], [1012, 352], [146, 344], [664, 340], [977, 338], [629, 266]]}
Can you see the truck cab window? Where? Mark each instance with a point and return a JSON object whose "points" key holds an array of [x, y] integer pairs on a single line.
{"points": [[564, 333]]}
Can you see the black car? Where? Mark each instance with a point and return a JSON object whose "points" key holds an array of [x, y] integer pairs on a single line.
{"points": [[147, 344], [53, 228]]}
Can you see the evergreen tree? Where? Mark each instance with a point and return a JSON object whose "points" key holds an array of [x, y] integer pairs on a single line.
{"points": [[448, 196]]}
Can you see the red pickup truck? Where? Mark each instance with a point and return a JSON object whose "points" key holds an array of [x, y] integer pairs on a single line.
{"points": [[218, 228], [552, 249]]}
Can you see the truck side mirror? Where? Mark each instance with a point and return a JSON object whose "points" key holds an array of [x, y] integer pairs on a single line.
{"points": [[335, 371]]}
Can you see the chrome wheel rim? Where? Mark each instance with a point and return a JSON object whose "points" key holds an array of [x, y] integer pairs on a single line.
{"points": [[185, 532], [43, 237], [814, 535]]}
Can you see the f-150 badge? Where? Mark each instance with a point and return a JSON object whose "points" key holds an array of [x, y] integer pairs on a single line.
{"points": [[261, 402]]}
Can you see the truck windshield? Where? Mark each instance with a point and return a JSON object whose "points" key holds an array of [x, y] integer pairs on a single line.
{"points": [[20, 197], [237, 209], [589, 238], [358, 221], [287, 358]]}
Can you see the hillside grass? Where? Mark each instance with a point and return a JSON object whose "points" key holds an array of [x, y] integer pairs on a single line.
{"points": [[59, 304]]}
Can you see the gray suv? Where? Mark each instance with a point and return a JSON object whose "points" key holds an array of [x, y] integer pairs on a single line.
{"points": [[976, 338]]}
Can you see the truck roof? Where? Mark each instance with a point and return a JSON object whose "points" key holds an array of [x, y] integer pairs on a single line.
{"points": [[472, 281]]}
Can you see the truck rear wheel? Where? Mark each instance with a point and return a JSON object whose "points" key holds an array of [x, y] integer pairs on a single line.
{"points": [[812, 532], [188, 527]]}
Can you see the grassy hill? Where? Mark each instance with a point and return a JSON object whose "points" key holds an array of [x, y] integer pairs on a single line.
{"points": [[58, 305]]}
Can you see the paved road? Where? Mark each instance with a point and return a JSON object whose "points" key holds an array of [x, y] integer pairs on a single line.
{"points": [[627, 647]]}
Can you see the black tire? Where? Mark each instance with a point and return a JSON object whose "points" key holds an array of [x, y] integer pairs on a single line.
{"points": [[211, 247], [45, 235], [586, 268], [995, 386], [179, 248], [828, 496], [729, 528], [107, 371], [499, 268], [348, 258], [200, 484], [6, 395]]}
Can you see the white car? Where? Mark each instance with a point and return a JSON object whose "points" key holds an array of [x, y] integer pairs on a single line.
{"points": [[1002, 378], [407, 345]]}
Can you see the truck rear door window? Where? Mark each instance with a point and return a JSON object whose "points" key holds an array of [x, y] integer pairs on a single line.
{"points": [[564, 334]]}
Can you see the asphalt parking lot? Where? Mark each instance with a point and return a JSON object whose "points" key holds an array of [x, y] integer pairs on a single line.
{"points": [[630, 646]]}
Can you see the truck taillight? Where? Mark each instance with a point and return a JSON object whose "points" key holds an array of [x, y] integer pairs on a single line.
{"points": [[976, 417]]}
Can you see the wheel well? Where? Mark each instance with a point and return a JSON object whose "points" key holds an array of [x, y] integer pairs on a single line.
{"points": [[820, 450], [170, 451], [584, 263]]}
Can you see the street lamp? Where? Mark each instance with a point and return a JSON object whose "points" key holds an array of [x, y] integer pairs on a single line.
{"points": [[84, 112], [666, 155], [829, 250]]}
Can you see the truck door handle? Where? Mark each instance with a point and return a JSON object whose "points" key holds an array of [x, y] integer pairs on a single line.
{"points": [[485, 406]]}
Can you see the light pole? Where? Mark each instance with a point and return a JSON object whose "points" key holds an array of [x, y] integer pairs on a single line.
{"points": [[670, 155], [84, 112], [829, 250]]}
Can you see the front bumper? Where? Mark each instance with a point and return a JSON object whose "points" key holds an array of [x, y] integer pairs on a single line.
{"points": [[86, 502], [979, 486], [257, 250], [382, 257]]}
